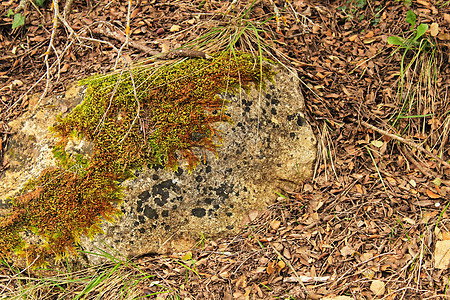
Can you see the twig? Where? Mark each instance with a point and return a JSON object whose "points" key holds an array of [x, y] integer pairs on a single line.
{"points": [[67, 8], [50, 47], [291, 267], [106, 31], [306, 279], [405, 141], [127, 35], [417, 164]]}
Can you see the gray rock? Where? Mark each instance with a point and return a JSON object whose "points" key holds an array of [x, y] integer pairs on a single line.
{"points": [[268, 148]]}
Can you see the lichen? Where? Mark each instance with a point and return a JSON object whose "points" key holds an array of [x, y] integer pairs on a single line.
{"points": [[144, 117]]}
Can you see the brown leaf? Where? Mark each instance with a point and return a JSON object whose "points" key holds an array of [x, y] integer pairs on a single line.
{"points": [[275, 224], [271, 267], [434, 29], [433, 195]]}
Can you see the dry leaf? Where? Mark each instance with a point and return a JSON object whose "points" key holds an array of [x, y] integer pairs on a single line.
{"points": [[434, 29], [253, 214], [275, 224], [368, 41], [433, 195], [377, 144], [443, 36], [424, 3], [270, 267], [447, 18], [446, 235], [315, 28], [175, 28], [165, 47], [353, 38], [281, 265], [64, 68], [187, 256], [347, 251], [378, 287]]}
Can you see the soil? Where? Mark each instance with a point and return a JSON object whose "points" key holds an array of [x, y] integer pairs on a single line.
{"points": [[366, 226]]}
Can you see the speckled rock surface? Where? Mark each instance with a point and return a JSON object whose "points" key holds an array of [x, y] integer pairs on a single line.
{"points": [[269, 147]]}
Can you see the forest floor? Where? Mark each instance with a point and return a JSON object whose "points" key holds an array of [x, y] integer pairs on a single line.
{"points": [[371, 224]]}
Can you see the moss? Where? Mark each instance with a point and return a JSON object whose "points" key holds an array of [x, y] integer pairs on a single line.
{"points": [[172, 110]]}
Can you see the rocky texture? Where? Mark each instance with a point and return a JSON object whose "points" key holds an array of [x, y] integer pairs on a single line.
{"points": [[268, 148]]}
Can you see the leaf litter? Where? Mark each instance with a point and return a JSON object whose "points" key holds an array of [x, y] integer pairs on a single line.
{"points": [[373, 221]]}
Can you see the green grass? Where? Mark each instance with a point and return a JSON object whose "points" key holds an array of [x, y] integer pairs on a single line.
{"points": [[117, 279]]}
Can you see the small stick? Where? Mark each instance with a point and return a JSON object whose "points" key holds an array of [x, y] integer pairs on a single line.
{"points": [[416, 163], [306, 279], [299, 279], [169, 55], [405, 141]]}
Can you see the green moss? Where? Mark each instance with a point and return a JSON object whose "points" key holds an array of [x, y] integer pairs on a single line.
{"points": [[172, 110]]}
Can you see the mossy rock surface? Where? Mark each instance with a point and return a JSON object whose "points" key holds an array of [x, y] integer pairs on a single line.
{"points": [[150, 139]]}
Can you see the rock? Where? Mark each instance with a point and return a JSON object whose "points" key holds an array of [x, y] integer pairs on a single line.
{"points": [[442, 254], [378, 287], [269, 147]]}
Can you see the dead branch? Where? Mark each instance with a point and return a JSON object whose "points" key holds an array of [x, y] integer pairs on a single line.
{"points": [[306, 279], [106, 31], [405, 141], [410, 158]]}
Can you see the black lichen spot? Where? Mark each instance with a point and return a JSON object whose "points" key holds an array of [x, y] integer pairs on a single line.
{"points": [[208, 200], [247, 103], [199, 178], [301, 121], [247, 109], [139, 206], [156, 167], [199, 212], [141, 230], [291, 117], [141, 219], [292, 135], [268, 96], [167, 227], [216, 206], [274, 101], [174, 207], [230, 227], [162, 190], [179, 172], [273, 111], [155, 177], [224, 190], [160, 202], [208, 169], [229, 214], [197, 136], [165, 213], [144, 195], [150, 213]]}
